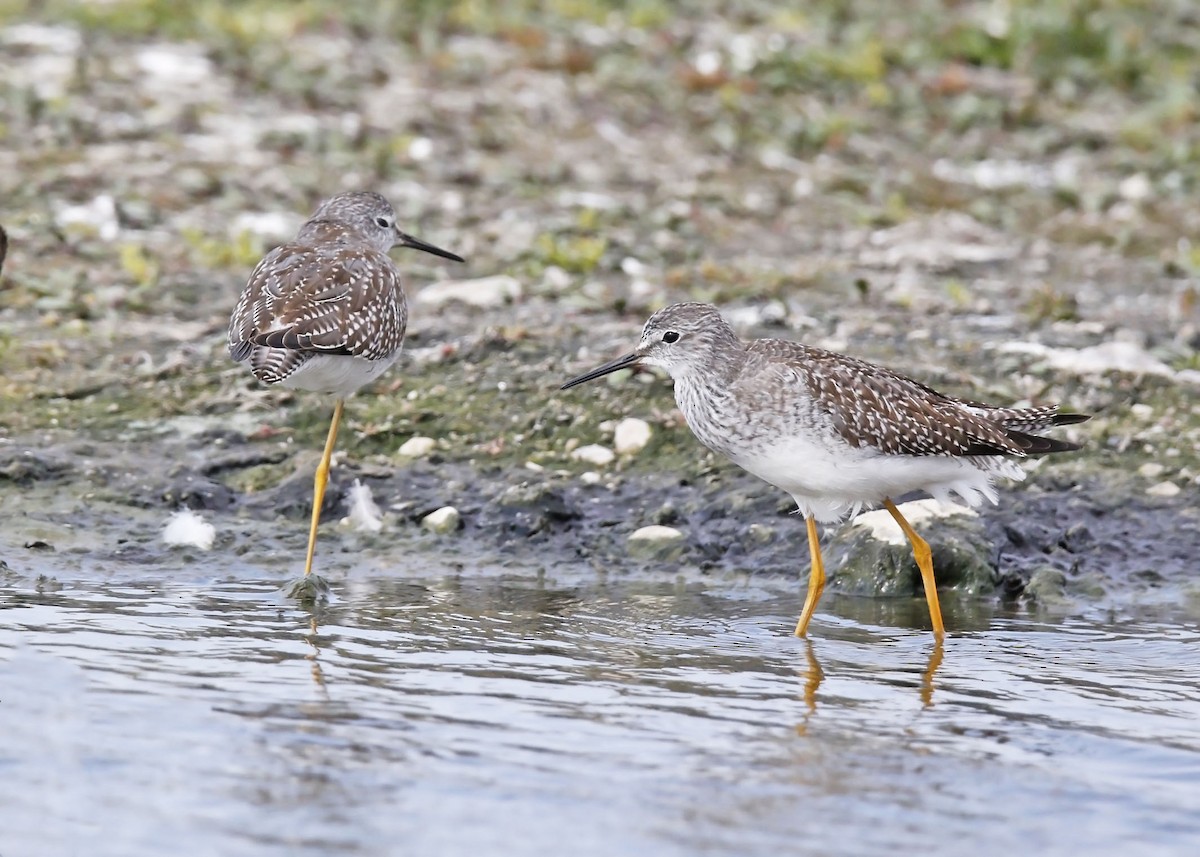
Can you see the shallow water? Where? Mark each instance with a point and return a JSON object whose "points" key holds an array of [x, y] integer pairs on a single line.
{"points": [[501, 714]]}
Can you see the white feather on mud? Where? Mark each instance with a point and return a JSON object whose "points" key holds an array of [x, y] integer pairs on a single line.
{"points": [[187, 529], [364, 513]]}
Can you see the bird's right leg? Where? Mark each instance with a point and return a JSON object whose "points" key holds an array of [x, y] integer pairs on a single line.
{"points": [[924, 558], [816, 579], [319, 483]]}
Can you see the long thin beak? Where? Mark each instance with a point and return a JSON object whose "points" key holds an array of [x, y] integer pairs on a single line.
{"points": [[630, 359], [405, 240]]}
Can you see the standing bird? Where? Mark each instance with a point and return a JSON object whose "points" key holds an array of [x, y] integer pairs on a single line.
{"points": [[836, 433], [326, 312]]}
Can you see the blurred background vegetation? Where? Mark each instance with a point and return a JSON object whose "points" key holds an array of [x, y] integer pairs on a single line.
{"points": [[610, 154]]}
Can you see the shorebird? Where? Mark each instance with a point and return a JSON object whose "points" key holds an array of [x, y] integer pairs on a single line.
{"points": [[326, 312], [836, 433]]}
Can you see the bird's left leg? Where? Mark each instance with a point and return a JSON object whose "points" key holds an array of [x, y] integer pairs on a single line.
{"points": [[319, 483], [816, 578], [924, 558]]}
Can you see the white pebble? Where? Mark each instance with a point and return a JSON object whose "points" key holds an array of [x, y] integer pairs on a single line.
{"points": [[884, 527], [555, 279], [707, 63], [591, 477], [1151, 469], [761, 533], [1114, 356], [443, 520], [595, 454], [484, 292], [187, 529], [631, 436], [99, 215], [1163, 489], [633, 267], [1141, 410], [364, 513], [656, 533], [417, 447], [1136, 187], [420, 149]]}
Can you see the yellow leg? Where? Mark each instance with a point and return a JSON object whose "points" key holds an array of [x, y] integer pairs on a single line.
{"points": [[924, 562], [816, 579], [322, 479]]}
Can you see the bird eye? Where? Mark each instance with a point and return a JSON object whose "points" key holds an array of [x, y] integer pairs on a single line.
{"points": [[383, 222], [670, 336]]}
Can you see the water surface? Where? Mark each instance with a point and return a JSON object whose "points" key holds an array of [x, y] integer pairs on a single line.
{"points": [[528, 715]]}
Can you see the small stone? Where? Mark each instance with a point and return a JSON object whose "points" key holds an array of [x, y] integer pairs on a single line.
{"points": [[1047, 586], [595, 454], [1135, 188], [271, 225], [420, 149], [873, 557], [1141, 410], [98, 216], [884, 528], [761, 534], [591, 477], [310, 590], [485, 292], [555, 279], [1151, 469], [666, 514], [656, 534], [443, 520], [1163, 489], [657, 543], [631, 436], [1114, 356], [417, 447], [633, 267]]}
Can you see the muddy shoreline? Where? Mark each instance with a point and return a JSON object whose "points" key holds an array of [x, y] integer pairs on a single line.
{"points": [[1090, 535], [987, 225]]}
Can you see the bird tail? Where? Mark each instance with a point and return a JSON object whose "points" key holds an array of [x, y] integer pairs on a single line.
{"points": [[1033, 444]]}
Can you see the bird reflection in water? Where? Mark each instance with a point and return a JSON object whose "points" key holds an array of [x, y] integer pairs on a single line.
{"points": [[813, 675], [931, 667], [314, 657]]}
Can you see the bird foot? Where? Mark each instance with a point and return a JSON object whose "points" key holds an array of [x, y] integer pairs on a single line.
{"points": [[312, 590]]}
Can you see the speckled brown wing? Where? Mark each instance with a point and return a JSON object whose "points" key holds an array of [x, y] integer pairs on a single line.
{"points": [[300, 302], [872, 406], [1013, 419]]}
